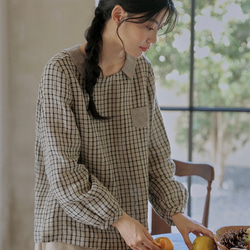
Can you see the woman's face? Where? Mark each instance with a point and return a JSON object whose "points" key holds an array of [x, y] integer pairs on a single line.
{"points": [[138, 37]]}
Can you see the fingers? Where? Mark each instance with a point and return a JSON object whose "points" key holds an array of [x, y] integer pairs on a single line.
{"points": [[135, 234], [150, 245], [144, 243], [188, 243], [204, 231], [148, 242], [210, 234], [142, 247]]}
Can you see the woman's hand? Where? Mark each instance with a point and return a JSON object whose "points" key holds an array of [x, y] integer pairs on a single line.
{"points": [[134, 233], [187, 225]]}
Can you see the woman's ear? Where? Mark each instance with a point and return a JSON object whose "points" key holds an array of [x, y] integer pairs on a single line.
{"points": [[118, 14]]}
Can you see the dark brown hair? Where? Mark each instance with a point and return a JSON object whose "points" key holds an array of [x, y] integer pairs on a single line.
{"points": [[147, 9]]}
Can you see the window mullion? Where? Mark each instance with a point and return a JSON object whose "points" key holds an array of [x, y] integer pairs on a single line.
{"points": [[191, 101]]}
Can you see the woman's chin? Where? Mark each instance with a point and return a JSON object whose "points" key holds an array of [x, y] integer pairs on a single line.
{"points": [[135, 54]]}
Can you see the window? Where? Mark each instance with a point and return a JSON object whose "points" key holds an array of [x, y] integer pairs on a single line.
{"points": [[202, 72]]}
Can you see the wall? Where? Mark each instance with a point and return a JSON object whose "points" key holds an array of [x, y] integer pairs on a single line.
{"points": [[36, 30], [4, 138]]}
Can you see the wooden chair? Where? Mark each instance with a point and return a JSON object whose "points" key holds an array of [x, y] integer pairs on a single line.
{"points": [[206, 171]]}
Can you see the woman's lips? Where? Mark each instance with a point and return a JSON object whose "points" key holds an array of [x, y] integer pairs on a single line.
{"points": [[144, 49]]}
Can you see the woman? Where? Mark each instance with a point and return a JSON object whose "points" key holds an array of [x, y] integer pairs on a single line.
{"points": [[101, 147]]}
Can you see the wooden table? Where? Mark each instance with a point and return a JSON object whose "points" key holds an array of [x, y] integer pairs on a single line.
{"points": [[177, 239]]}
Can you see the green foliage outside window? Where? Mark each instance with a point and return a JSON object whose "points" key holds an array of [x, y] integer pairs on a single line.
{"points": [[221, 72]]}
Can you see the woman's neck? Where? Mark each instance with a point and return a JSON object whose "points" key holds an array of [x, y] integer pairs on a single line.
{"points": [[111, 61], [112, 55]]}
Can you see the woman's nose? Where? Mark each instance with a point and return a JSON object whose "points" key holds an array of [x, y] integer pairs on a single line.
{"points": [[153, 37]]}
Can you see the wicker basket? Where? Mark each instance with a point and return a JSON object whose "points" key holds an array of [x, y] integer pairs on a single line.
{"points": [[220, 231]]}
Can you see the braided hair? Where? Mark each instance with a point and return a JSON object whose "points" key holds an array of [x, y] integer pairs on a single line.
{"points": [[147, 9], [92, 69]]}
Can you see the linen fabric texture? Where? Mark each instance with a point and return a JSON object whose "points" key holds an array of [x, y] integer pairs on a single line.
{"points": [[87, 171]]}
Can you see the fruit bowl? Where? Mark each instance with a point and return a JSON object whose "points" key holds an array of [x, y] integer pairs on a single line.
{"points": [[220, 231]]}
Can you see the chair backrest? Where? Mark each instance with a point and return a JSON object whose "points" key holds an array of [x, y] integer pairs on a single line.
{"points": [[206, 171]]}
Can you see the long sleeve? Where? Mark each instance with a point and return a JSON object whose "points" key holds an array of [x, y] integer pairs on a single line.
{"points": [[166, 195], [81, 195]]}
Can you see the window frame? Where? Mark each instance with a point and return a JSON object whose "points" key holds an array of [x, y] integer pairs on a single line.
{"points": [[190, 108]]}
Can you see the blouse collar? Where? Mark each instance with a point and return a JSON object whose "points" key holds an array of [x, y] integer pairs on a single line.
{"points": [[78, 59]]}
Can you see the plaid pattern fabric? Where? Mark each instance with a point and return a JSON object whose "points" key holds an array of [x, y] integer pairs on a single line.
{"points": [[87, 171]]}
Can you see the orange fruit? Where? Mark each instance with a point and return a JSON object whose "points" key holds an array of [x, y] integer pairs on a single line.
{"points": [[203, 243], [164, 243]]}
